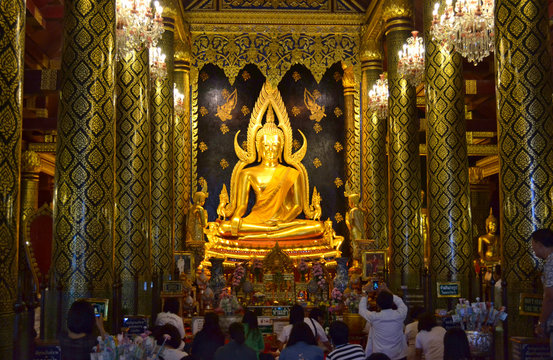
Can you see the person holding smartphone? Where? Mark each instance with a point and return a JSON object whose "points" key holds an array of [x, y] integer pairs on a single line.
{"points": [[79, 340], [386, 334]]}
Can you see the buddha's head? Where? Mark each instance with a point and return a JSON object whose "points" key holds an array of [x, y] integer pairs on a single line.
{"points": [[269, 140], [491, 223]]}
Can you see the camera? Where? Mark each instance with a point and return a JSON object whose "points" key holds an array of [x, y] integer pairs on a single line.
{"points": [[375, 284]]}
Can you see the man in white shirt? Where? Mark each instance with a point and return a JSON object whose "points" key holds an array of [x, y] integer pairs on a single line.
{"points": [[386, 334]]}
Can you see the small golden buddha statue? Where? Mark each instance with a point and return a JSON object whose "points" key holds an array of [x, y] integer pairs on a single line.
{"points": [[489, 244], [280, 190], [197, 216]]}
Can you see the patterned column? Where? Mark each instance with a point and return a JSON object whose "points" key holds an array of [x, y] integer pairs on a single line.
{"points": [[12, 41], [405, 180], [83, 197], [348, 81], [132, 188], [523, 63], [448, 184], [161, 130], [374, 161], [182, 148]]}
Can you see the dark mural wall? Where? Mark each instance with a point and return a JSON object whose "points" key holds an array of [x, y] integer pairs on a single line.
{"points": [[224, 109]]}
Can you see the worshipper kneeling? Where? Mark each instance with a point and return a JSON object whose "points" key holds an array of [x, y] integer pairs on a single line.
{"points": [[209, 339], [301, 342], [168, 336], [343, 350], [236, 348]]}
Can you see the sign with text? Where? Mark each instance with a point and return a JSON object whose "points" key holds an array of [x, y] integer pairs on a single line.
{"points": [[449, 289], [530, 304], [47, 352], [137, 324], [281, 311]]}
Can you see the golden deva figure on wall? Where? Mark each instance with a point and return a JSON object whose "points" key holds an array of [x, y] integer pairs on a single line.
{"points": [[280, 183]]}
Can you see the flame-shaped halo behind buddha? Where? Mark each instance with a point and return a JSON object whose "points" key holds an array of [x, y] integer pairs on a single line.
{"points": [[269, 98]]}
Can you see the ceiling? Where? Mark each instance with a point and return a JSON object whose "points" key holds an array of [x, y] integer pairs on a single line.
{"points": [[43, 52]]}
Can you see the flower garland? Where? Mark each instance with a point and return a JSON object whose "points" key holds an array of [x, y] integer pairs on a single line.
{"points": [[318, 274], [238, 275]]}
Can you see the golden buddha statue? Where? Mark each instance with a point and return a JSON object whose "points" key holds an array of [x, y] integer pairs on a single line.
{"points": [[488, 244], [280, 183]]}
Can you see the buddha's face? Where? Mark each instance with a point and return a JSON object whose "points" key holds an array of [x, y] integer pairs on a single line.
{"points": [[270, 147], [492, 227]]}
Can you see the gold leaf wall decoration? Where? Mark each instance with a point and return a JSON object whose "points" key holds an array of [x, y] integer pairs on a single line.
{"points": [[224, 129], [338, 217], [296, 76], [223, 111], [204, 76], [338, 147], [338, 182], [246, 76], [338, 112], [317, 111], [203, 111], [337, 76], [245, 110], [202, 146], [317, 127], [317, 163], [223, 163], [296, 144], [295, 111]]}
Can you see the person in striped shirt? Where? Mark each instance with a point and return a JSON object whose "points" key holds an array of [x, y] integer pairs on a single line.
{"points": [[343, 350]]}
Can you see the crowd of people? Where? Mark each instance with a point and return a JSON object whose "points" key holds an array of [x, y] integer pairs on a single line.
{"points": [[304, 338]]}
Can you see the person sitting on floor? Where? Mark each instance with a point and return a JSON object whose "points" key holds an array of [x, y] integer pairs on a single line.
{"points": [[170, 316], [209, 339], [78, 342], [296, 315], [430, 339], [301, 343], [236, 349], [316, 317], [254, 338], [339, 334], [168, 336]]}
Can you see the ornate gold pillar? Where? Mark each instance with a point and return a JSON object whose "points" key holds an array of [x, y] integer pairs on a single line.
{"points": [[406, 258], [132, 188], [83, 196], [447, 164], [182, 148], [30, 168], [348, 81], [524, 89], [161, 130], [12, 41], [374, 162]]}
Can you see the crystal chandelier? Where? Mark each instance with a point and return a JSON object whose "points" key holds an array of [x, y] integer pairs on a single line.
{"points": [[411, 60], [378, 97], [179, 101], [158, 68], [468, 26], [138, 25]]}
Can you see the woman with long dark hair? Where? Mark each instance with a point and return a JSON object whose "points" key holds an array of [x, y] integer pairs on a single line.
{"points": [[209, 339], [456, 345], [254, 338], [301, 342]]}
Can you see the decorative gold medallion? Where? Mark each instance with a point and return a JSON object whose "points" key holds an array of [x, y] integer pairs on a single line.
{"points": [[202, 146], [223, 111], [203, 111], [338, 182], [338, 147], [317, 111], [245, 110], [317, 163], [224, 164], [338, 112]]}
